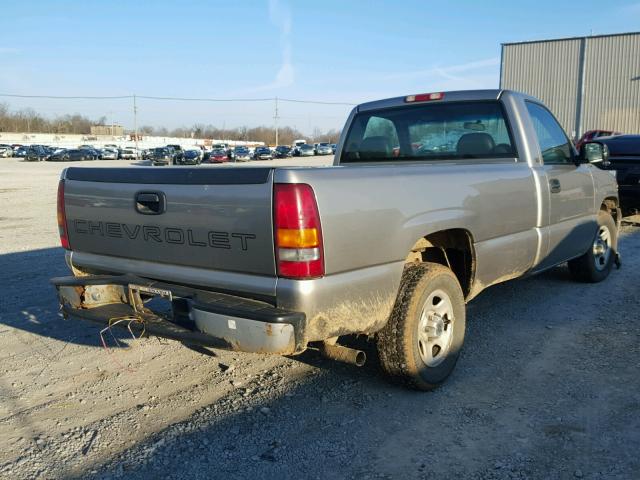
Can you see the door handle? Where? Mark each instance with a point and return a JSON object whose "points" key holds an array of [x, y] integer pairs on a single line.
{"points": [[150, 203], [554, 185]]}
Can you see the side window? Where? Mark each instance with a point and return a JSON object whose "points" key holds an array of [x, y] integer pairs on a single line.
{"points": [[554, 144]]}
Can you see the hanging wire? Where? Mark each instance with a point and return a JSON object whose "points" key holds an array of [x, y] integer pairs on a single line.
{"points": [[173, 99]]}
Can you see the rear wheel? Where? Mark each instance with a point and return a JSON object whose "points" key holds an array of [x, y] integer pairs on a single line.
{"points": [[596, 264], [421, 342]]}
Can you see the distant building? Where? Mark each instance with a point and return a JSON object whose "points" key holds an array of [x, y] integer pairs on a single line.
{"points": [[587, 82], [114, 130]]}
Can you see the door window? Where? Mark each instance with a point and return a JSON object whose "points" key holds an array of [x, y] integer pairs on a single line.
{"points": [[554, 144]]}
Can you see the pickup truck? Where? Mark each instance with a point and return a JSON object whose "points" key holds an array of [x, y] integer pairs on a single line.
{"points": [[432, 198], [178, 154], [624, 160]]}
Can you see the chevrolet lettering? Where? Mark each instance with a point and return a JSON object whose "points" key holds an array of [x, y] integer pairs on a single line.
{"points": [[173, 235]]}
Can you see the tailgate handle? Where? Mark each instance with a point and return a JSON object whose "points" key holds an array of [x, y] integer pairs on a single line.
{"points": [[150, 203]]}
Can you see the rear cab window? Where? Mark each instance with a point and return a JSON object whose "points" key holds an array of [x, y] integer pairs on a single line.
{"points": [[430, 132]]}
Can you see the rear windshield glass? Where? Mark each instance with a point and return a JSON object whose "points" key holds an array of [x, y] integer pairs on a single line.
{"points": [[444, 131]]}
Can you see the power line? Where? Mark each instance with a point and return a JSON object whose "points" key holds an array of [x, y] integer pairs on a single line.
{"points": [[62, 97], [178, 99], [184, 99], [318, 102]]}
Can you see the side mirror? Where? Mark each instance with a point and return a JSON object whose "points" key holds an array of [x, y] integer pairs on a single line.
{"points": [[595, 152]]}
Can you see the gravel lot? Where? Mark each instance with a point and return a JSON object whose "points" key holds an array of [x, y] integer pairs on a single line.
{"points": [[548, 385]]}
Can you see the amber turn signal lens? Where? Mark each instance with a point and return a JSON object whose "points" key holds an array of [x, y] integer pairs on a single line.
{"points": [[293, 238]]}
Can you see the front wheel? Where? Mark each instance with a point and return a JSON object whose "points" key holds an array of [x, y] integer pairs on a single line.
{"points": [[420, 344], [597, 262]]}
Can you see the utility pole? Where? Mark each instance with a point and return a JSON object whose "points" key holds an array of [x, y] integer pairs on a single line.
{"points": [[135, 123], [275, 121]]}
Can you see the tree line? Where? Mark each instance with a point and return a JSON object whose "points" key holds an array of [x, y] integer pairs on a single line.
{"points": [[29, 121]]}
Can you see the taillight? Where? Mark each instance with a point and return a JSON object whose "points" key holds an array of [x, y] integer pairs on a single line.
{"points": [[298, 236], [62, 217]]}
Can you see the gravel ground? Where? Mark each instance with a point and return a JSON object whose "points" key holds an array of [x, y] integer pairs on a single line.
{"points": [[548, 385]]}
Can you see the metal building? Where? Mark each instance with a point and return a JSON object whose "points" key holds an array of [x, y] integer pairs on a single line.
{"points": [[587, 82]]}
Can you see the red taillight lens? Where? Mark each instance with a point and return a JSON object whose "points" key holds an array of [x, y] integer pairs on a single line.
{"points": [[62, 217], [298, 236]]}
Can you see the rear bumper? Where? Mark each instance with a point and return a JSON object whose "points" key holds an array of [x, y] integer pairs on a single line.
{"points": [[197, 316]]}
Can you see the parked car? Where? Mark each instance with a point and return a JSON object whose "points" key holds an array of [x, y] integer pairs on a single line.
{"points": [[306, 150], [324, 149], [192, 157], [241, 154], [177, 152], [333, 148], [218, 155], [592, 135], [92, 152], [36, 153], [390, 246], [6, 151], [21, 152], [162, 156], [262, 153], [71, 155], [127, 154], [282, 151], [109, 154], [624, 158]]}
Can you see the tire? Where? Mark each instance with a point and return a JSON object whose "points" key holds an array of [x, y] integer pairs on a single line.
{"points": [[596, 264], [406, 353]]}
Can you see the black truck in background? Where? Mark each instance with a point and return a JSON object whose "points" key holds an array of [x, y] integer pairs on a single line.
{"points": [[624, 159]]}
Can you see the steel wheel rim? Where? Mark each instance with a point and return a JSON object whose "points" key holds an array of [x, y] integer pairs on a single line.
{"points": [[602, 248], [435, 329]]}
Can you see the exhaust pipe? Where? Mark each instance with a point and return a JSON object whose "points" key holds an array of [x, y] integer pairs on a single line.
{"points": [[343, 354]]}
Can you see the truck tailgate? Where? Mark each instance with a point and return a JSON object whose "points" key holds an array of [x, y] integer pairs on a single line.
{"points": [[212, 218]]}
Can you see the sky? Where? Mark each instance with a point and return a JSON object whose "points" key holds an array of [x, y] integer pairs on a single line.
{"points": [[328, 51]]}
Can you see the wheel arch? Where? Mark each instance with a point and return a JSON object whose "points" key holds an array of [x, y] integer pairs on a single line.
{"points": [[612, 206], [453, 248]]}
